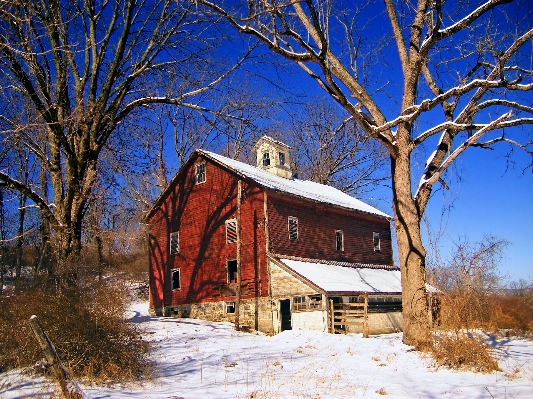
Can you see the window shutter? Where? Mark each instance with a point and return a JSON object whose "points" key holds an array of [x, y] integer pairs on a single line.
{"points": [[231, 231], [174, 243], [293, 228]]}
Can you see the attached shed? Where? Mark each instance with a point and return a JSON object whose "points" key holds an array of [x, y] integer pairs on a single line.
{"points": [[318, 291]]}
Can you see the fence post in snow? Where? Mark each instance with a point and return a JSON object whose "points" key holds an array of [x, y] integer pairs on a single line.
{"points": [[69, 388]]}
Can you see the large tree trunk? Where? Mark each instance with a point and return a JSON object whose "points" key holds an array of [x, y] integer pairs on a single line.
{"points": [[416, 330]]}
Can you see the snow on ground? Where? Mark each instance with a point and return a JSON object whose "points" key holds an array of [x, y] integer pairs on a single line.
{"points": [[198, 359]]}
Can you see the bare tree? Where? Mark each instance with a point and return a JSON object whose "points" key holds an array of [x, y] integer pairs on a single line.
{"points": [[455, 71], [330, 148], [81, 66], [467, 280]]}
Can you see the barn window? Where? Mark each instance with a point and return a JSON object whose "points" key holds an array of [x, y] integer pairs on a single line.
{"points": [[281, 158], [174, 240], [231, 231], [266, 159], [339, 240], [229, 307], [232, 271], [377, 244], [293, 228], [200, 173], [176, 282], [299, 303], [315, 301]]}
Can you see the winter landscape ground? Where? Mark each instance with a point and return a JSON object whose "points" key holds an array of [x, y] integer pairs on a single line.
{"points": [[197, 359]]}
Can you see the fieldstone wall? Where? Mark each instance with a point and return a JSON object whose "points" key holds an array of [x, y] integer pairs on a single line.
{"points": [[256, 313]]}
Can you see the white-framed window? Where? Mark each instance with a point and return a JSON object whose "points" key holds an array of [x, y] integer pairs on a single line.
{"points": [[174, 241], [200, 173], [232, 271], [229, 307], [231, 231], [281, 158], [339, 240], [293, 227], [377, 243], [266, 159], [175, 279]]}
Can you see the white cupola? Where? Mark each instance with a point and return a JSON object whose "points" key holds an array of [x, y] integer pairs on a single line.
{"points": [[273, 156]]}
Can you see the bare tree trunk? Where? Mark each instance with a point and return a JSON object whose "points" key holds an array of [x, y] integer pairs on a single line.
{"points": [[416, 330]]}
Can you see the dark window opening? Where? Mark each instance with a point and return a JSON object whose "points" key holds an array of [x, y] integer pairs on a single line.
{"points": [[266, 159], [377, 244], [282, 158], [230, 307], [200, 173], [176, 283], [339, 240], [232, 271]]}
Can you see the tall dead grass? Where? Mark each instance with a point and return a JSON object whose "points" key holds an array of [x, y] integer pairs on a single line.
{"points": [[462, 351], [86, 325], [461, 314]]}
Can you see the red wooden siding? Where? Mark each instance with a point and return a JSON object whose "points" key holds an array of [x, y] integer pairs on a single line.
{"points": [[199, 213], [317, 224]]}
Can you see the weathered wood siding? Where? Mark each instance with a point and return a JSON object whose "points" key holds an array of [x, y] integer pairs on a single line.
{"points": [[317, 224], [199, 213]]}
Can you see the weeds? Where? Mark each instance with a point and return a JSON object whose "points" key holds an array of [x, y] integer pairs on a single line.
{"points": [[86, 326], [463, 352]]}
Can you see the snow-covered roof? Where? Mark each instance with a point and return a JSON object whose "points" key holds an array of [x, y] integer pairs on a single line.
{"points": [[335, 278], [301, 188]]}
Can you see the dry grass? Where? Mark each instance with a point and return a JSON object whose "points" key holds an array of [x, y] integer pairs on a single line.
{"points": [[463, 352], [86, 325]]}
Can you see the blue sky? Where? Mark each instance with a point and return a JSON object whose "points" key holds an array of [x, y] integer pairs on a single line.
{"points": [[493, 200]]}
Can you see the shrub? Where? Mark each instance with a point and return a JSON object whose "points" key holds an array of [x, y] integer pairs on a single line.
{"points": [[461, 351], [87, 327]]}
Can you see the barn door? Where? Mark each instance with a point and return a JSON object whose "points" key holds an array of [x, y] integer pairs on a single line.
{"points": [[285, 310]]}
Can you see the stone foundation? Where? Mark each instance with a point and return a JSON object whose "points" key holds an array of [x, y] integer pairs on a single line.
{"points": [[254, 313]]}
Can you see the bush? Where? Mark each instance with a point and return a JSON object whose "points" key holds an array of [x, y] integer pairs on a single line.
{"points": [[461, 351], [86, 326]]}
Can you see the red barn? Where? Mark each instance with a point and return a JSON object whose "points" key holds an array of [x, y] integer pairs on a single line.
{"points": [[285, 253]]}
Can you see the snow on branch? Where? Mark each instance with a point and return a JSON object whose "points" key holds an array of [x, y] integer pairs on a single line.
{"points": [[461, 24], [425, 181]]}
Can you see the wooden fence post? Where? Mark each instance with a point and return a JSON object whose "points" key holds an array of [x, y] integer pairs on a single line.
{"points": [[69, 388], [366, 332]]}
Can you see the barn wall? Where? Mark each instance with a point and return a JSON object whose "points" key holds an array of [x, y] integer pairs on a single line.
{"points": [[199, 213], [317, 224]]}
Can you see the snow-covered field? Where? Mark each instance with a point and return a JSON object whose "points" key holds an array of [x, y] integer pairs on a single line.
{"points": [[197, 359]]}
